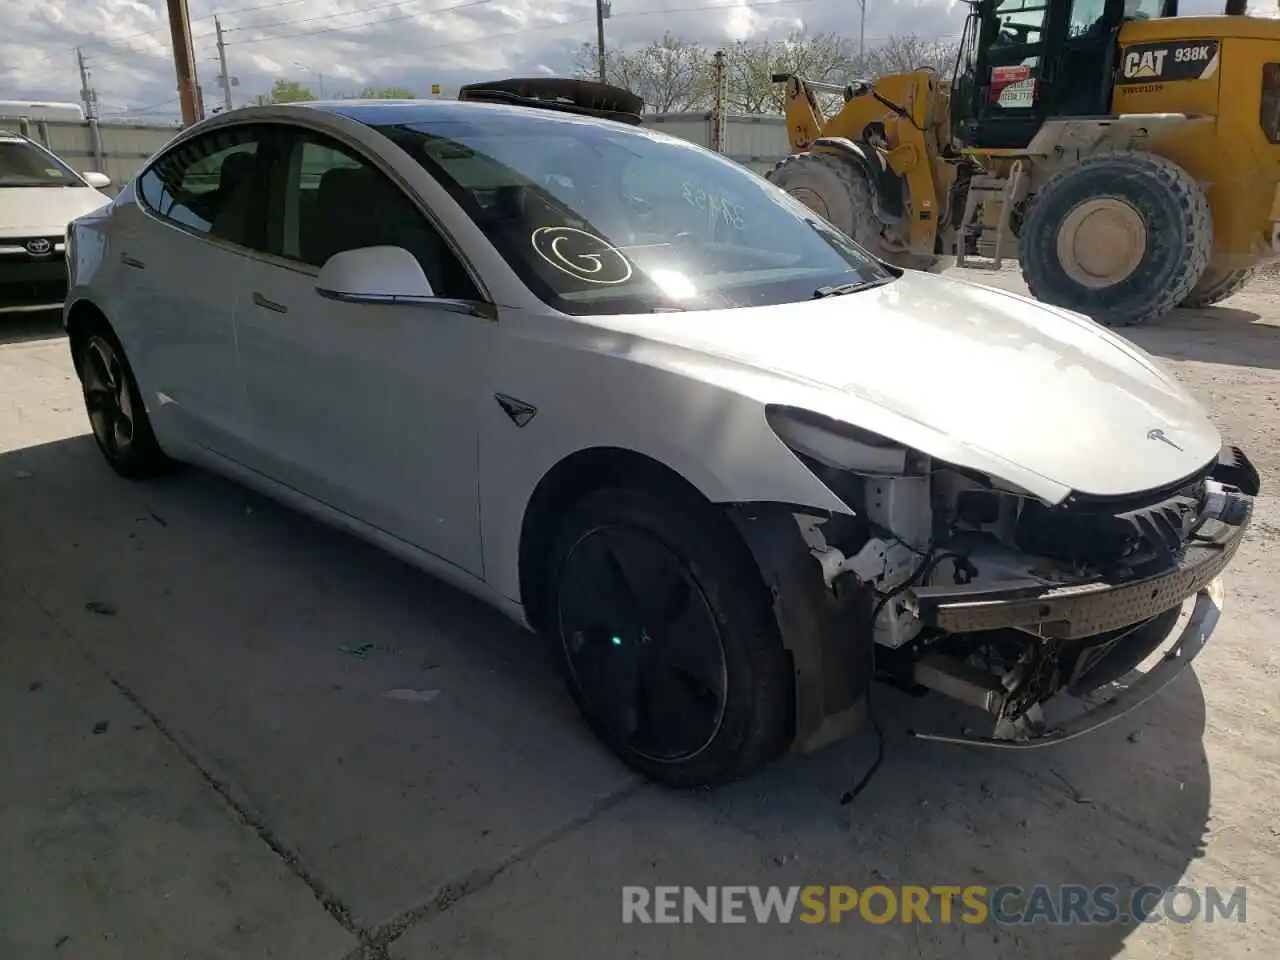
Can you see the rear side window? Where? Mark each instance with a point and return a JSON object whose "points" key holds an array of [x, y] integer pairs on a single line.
{"points": [[213, 185], [1269, 115]]}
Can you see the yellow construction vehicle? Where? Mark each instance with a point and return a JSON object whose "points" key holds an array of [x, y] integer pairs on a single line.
{"points": [[1128, 158]]}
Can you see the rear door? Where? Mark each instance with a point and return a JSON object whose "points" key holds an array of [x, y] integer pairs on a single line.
{"points": [[184, 259], [371, 409]]}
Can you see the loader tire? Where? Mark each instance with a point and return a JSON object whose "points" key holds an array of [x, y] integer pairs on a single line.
{"points": [[1122, 236], [838, 191], [1216, 285]]}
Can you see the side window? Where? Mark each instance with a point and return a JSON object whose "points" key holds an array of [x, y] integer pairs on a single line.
{"points": [[334, 201], [213, 185]]}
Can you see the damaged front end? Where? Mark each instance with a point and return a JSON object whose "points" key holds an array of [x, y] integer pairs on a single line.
{"points": [[1043, 616]]}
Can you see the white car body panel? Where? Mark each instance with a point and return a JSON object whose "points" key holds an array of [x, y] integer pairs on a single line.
{"points": [[368, 408], [965, 373], [1037, 397], [40, 211]]}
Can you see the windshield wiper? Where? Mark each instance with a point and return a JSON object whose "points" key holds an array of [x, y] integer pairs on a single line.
{"points": [[840, 289]]}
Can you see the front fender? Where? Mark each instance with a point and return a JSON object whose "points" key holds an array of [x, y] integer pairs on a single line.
{"points": [[608, 395]]}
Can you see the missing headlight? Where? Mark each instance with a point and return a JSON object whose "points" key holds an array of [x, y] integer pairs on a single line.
{"points": [[836, 444]]}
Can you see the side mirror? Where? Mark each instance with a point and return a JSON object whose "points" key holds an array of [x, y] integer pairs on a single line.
{"points": [[374, 275], [99, 181]]}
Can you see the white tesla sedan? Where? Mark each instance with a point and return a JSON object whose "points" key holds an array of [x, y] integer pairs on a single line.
{"points": [[646, 402]]}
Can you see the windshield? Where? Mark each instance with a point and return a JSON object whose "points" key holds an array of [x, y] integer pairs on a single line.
{"points": [[599, 218], [24, 165]]}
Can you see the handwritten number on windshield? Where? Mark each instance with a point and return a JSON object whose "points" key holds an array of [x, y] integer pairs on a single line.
{"points": [[717, 207]]}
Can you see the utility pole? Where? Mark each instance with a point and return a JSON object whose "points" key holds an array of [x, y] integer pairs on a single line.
{"points": [[88, 96], [184, 62], [224, 78], [603, 8], [719, 88]]}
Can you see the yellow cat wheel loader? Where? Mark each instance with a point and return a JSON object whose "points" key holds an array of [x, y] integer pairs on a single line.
{"points": [[1128, 158]]}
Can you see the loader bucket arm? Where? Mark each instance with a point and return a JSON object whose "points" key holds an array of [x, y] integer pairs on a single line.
{"points": [[805, 119]]}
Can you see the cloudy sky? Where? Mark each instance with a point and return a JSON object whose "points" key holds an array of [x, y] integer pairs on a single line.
{"points": [[346, 44]]}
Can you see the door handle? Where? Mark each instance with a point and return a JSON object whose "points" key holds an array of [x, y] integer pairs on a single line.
{"points": [[261, 301], [129, 261]]}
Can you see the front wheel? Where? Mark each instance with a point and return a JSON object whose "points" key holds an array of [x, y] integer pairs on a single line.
{"points": [[667, 641], [1216, 285], [1123, 237], [116, 411]]}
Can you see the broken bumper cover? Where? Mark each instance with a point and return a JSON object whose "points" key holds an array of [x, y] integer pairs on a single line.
{"points": [[1081, 610], [1067, 717], [1086, 610]]}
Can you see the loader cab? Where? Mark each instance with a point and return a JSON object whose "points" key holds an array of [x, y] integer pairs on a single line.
{"points": [[1025, 61]]}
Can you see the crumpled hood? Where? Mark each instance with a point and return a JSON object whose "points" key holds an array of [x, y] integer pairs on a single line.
{"points": [[45, 211], [954, 368]]}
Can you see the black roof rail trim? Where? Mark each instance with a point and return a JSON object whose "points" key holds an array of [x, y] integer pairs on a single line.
{"points": [[563, 94]]}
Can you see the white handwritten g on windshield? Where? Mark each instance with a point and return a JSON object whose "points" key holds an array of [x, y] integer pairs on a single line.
{"points": [[581, 255]]}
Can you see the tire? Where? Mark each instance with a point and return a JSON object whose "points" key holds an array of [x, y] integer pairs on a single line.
{"points": [[112, 399], [1168, 245], [1216, 285], [838, 191], [737, 721]]}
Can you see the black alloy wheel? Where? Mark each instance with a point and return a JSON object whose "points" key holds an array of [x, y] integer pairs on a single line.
{"points": [[642, 644]]}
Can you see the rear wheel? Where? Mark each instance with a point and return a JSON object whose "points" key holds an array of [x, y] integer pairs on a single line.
{"points": [[1123, 237], [1216, 285], [116, 411], [839, 192], [667, 641]]}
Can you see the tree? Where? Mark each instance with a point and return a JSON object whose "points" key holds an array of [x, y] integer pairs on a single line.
{"points": [[669, 74], [824, 56], [906, 53], [290, 91], [673, 75], [387, 93]]}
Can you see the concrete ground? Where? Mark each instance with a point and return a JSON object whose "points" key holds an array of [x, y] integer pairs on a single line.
{"points": [[203, 755]]}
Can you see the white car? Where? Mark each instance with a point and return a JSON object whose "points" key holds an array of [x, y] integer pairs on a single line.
{"points": [[640, 399], [39, 196]]}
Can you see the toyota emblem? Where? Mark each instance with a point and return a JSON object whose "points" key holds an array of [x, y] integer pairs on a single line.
{"points": [[38, 248]]}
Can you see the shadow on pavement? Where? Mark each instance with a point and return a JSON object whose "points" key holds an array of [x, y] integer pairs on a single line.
{"points": [[24, 327], [1212, 335], [476, 814]]}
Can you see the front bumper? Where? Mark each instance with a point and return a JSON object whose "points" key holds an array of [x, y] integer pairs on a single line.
{"points": [[1090, 609], [1081, 610], [1065, 717], [32, 282]]}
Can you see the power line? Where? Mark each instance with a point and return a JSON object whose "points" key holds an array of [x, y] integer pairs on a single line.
{"points": [[131, 111]]}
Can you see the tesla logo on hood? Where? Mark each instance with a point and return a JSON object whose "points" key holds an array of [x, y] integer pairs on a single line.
{"points": [[1158, 434], [39, 248]]}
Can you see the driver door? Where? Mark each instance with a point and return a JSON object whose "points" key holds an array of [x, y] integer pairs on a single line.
{"points": [[369, 408]]}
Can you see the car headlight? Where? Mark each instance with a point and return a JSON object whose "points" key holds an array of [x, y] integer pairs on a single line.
{"points": [[836, 444]]}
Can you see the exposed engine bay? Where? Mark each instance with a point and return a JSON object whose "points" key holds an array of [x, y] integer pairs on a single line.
{"points": [[993, 597]]}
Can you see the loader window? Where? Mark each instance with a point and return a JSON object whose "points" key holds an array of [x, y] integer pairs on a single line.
{"points": [[1269, 115], [1020, 23], [1087, 19]]}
